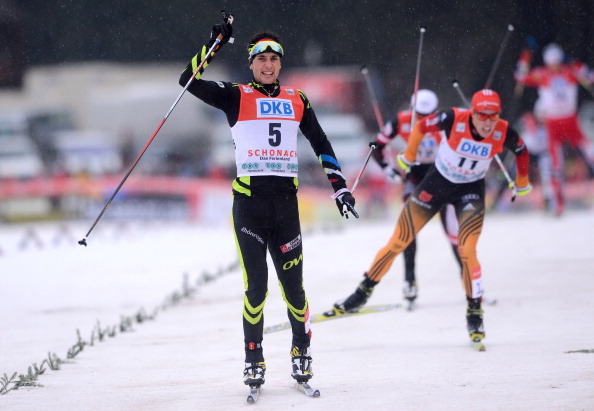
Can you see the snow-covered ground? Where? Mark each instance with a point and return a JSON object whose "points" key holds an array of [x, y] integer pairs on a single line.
{"points": [[539, 341]]}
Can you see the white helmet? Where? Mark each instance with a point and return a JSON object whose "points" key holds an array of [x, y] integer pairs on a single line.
{"points": [[553, 54], [426, 102]]}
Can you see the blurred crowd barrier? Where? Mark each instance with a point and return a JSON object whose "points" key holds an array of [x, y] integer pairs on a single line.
{"points": [[208, 200], [201, 200], [71, 205]]}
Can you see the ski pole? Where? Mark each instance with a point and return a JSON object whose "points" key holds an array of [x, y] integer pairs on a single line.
{"points": [[374, 101], [510, 28], [510, 182], [378, 118], [228, 18], [417, 76], [372, 146], [456, 85]]}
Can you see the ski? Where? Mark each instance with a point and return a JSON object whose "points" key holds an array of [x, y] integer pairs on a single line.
{"points": [[478, 345], [254, 393], [369, 309], [410, 306], [305, 388], [334, 314]]}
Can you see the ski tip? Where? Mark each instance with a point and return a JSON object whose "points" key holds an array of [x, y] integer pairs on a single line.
{"points": [[254, 393], [478, 345], [305, 388]]}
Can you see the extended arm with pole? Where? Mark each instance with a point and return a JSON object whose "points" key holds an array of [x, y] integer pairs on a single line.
{"points": [[228, 18]]}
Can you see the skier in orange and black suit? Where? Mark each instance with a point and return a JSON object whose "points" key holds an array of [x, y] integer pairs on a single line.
{"points": [[425, 102], [472, 138]]}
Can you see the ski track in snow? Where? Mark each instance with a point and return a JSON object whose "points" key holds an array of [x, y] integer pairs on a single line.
{"points": [[539, 269]]}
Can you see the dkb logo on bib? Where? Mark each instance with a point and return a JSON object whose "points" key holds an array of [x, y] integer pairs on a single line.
{"points": [[474, 149], [275, 107]]}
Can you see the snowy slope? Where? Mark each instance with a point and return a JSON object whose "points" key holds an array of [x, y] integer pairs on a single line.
{"points": [[539, 269]]}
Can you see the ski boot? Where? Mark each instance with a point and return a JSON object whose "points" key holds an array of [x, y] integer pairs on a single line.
{"points": [[410, 293], [474, 322], [253, 374], [357, 299], [301, 362]]}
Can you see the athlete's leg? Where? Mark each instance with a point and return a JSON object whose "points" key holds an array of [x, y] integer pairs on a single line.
{"points": [[410, 252], [546, 171], [251, 241], [449, 222], [556, 138], [412, 218], [578, 141], [470, 208], [471, 212], [286, 250], [418, 210]]}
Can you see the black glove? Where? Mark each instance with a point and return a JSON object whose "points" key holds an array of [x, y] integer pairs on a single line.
{"points": [[345, 203], [225, 29]]}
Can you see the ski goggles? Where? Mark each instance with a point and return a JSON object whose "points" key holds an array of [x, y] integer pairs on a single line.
{"points": [[263, 46], [484, 116]]}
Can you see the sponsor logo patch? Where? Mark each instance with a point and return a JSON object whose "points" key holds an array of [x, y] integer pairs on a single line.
{"points": [[285, 248], [250, 233], [474, 149], [274, 107], [469, 197], [425, 196], [290, 264]]}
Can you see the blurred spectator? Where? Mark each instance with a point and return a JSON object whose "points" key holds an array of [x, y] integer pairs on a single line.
{"points": [[534, 132], [558, 84]]}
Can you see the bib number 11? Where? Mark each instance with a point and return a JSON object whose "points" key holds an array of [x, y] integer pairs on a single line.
{"points": [[473, 163]]}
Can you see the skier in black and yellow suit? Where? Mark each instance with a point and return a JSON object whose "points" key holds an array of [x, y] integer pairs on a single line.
{"points": [[264, 119]]}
